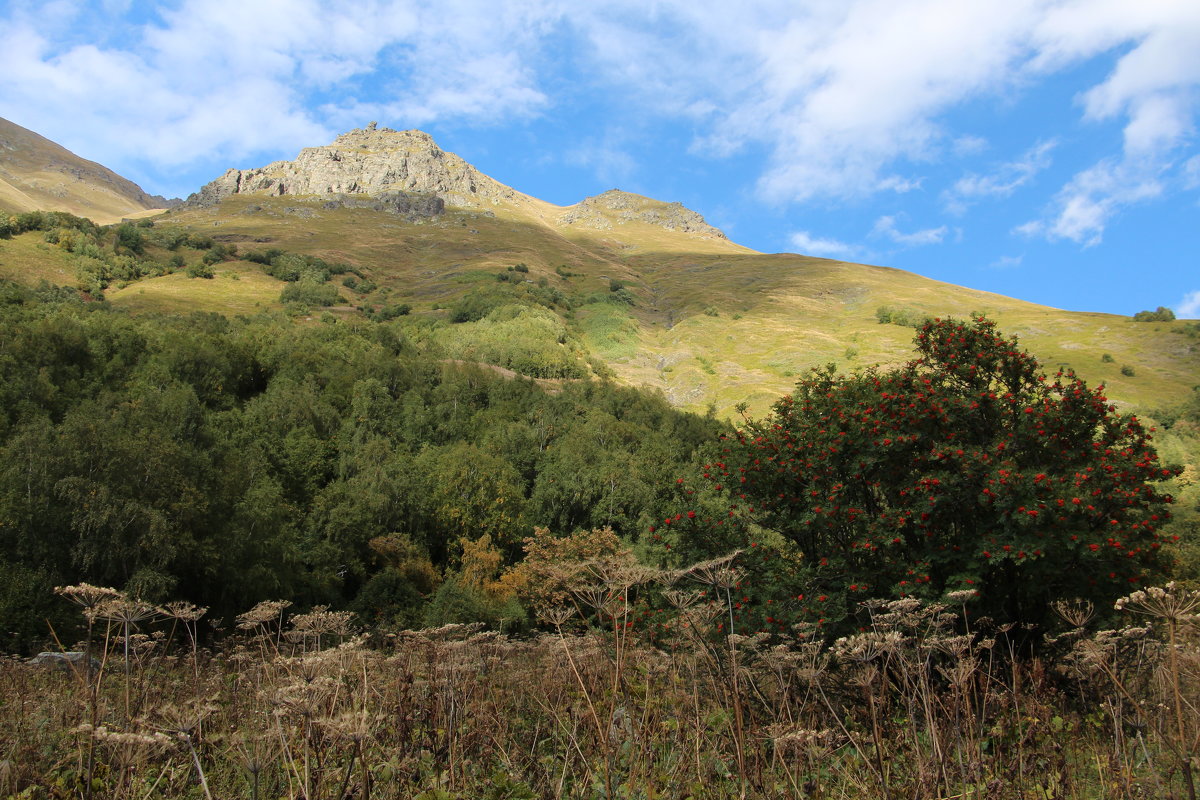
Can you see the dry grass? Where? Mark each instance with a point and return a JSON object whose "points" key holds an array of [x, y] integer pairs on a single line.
{"points": [[912, 707]]}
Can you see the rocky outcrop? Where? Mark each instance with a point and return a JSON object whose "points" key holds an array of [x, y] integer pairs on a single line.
{"points": [[615, 207], [369, 161], [410, 206]]}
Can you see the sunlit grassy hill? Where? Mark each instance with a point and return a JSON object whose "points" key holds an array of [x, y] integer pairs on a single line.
{"points": [[618, 283], [36, 173], [710, 322]]}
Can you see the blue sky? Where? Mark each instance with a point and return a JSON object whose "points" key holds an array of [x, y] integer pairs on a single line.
{"points": [[1042, 150]]}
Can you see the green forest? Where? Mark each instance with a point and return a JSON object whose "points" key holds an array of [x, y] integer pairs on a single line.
{"points": [[228, 461], [330, 557]]}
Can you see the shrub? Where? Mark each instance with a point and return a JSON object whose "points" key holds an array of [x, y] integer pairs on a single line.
{"points": [[965, 470], [1107, 358], [1127, 371], [388, 312], [906, 317], [201, 270], [1160, 314], [478, 304], [310, 293]]}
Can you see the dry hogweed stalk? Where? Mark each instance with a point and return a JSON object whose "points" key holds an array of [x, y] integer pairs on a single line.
{"points": [[183, 723], [1174, 606]]}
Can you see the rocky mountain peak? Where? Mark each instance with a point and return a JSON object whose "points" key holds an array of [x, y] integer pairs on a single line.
{"points": [[372, 161], [615, 207]]}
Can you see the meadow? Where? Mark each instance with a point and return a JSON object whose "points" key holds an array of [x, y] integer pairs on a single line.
{"points": [[927, 701]]}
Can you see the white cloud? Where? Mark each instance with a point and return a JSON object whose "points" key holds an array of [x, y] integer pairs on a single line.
{"points": [[850, 99], [1007, 262], [806, 243], [1005, 180], [1191, 173], [1083, 207], [969, 145], [607, 159], [230, 79], [1189, 306], [844, 100], [886, 227], [1155, 85]]}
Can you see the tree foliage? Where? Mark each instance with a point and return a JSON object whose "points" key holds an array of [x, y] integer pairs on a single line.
{"points": [[967, 470], [231, 461], [1160, 314]]}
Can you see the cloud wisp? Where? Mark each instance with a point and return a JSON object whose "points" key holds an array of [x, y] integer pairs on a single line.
{"points": [[1002, 182], [809, 244], [1189, 306], [886, 227]]}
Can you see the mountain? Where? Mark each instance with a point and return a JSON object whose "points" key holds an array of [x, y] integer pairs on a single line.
{"points": [[619, 284], [385, 163], [36, 173]]}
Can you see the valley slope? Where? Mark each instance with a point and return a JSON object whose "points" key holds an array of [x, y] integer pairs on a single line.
{"points": [[36, 173], [646, 289]]}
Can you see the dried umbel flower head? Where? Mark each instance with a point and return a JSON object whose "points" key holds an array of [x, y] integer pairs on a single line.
{"points": [[265, 612], [1075, 613], [718, 572], [962, 596], [680, 599], [1167, 602], [183, 611], [322, 621], [180, 721], [557, 615], [620, 574], [795, 740], [86, 595], [351, 726], [864, 647], [125, 611], [124, 739], [960, 672]]}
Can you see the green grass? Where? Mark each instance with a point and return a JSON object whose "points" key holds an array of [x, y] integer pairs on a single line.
{"points": [[28, 259], [237, 288], [609, 331]]}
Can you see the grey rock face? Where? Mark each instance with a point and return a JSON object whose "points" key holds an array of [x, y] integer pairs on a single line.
{"points": [[410, 206], [369, 161]]}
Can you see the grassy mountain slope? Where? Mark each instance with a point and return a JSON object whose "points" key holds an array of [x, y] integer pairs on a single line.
{"points": [[647, 287], [36, 173], [711, 322]]}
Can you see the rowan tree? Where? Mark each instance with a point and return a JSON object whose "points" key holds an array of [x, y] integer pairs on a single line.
{"points": [[966, 470]]}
